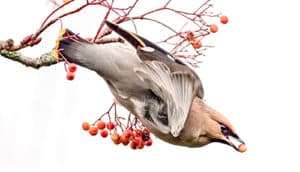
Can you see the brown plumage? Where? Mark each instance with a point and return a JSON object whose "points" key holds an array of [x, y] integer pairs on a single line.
{"points": [[163, 92]]}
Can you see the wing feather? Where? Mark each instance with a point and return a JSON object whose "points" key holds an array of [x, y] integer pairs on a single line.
{"points": [[175, 89]]}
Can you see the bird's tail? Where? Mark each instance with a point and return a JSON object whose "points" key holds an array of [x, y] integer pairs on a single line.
{"points": [[70, 46]]}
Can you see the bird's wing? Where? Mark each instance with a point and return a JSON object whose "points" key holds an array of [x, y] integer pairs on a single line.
{"points": [[151, 54], [176, 89], [150, 50]]}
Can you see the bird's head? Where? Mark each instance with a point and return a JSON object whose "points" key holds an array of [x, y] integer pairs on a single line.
{"points": [[209, 126], [220, 130]]}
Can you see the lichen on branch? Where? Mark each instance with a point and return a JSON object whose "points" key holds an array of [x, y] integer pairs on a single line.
{"points": [[45, 59]]}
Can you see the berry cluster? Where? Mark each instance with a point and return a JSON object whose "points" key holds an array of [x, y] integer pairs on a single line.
{"points": [[213, 28], [196, 43], [136, 138], [71, 71]]}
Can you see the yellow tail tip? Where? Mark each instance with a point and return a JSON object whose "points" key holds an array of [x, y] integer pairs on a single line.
{"points": [[62, 32], [54, 53], [55, 49]]}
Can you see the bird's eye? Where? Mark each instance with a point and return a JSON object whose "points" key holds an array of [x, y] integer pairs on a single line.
{"points": [[225, 130]]}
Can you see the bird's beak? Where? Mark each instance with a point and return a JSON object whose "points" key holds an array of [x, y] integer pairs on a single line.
{"points": [[228, 136], [235, 142]]}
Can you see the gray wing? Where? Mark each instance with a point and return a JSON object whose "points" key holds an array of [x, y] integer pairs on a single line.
{"points": [[175, 65], [176, 89], [149, 51]]}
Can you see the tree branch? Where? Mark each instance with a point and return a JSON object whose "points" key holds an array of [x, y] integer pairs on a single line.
{"points": [[45, 59], [181, 45]]}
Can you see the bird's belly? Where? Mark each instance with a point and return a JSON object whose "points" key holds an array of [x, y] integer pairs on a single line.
{"points": [[162, 133], [137, 108]]}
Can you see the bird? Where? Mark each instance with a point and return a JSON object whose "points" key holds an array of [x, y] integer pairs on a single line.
{"points": [[162, 91]]}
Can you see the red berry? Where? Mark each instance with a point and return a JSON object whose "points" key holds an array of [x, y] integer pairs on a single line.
{"points": [[140, 145], [146, 130], [190, 36], [133, 145], [117, 142], [213, 28], [124, 140], [101, 125], [224, 19], [93, 131], [137, 140], [110, 125], [196, 43], [72, 67], [148, 142], [70, 76], [138, 133], [127, 133], [133, 134], [104, 133], [116, 138], [85, 126]]}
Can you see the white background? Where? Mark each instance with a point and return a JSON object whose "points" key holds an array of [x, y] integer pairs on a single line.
{"points": [[252, 77]]}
